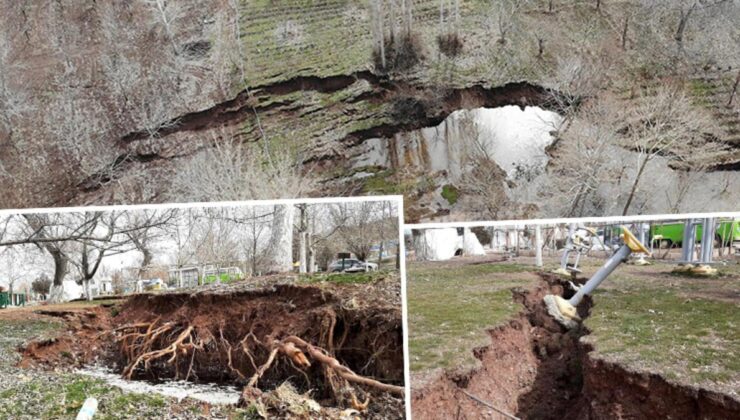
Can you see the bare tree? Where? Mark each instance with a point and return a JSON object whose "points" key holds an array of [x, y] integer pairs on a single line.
{"points": [[505, 14], [257, 220], [153, 224], [164, 14], [106, 234], [666, 123], [583, 160], [78, 239], [357, 225], [229, 170]]}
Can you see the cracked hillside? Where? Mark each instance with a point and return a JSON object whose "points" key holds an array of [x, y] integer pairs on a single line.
{"points": [[126, 103]]}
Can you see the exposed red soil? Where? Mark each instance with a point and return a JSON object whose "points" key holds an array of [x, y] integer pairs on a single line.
{"points": [[611, 391], [76, 346], [231, 332], [536, 369]]}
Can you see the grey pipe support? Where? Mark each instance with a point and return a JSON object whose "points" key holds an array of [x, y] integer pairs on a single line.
{"points": [[622, 253], [707, 240], [687, 247]]}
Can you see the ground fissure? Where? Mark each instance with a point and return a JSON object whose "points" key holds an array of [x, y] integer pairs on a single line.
{"points": [[535, 368]]}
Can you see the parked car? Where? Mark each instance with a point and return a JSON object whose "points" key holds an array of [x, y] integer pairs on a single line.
{"points": [[153, 284], [351, 265]]}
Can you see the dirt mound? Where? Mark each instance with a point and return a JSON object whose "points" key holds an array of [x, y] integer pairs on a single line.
{"points": [[343, 353], [536, 369]]}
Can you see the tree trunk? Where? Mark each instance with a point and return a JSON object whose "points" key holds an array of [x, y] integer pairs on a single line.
{"points": [[60, 265], [381, 33], [303, 238], [734, 90], [86, 284], [634, 186], [624, 32], [682, 22], [302, 250], [311, 259], [281, 240]]}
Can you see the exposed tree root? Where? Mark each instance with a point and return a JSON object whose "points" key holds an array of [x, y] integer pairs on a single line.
{"points": [[172, 350], [138, 340], [343, 371], [295, 349]]}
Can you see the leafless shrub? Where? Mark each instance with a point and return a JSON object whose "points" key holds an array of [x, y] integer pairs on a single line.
{"points": [[401, 54], [229, 170], [450, 44]]}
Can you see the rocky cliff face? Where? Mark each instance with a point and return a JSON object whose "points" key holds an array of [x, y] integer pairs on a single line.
{"points": [[79, 77], [116, 99]]}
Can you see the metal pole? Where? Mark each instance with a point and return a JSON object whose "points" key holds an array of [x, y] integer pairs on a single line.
{"points": [[538, 246], [685, 253], [707, 240], [688, 245], [622, 253]]}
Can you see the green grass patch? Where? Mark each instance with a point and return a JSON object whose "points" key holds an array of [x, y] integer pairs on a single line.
{"points": [[379, 183], [691, 337], [450, 193], [450, 309]]}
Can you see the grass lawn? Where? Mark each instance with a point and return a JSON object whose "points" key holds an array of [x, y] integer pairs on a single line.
{"points": [[345, 278], [450, 305], [687, 329], [684, 328]]}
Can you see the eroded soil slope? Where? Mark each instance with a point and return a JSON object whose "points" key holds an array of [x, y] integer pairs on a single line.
{"points": [[232, 335]]}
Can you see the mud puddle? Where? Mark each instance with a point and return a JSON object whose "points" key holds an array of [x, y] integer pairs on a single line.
{"points": [[328, 349], [536, 369]]}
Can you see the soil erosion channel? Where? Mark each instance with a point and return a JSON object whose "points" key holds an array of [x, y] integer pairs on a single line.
{"points": [[332, 341], [534, 368]]}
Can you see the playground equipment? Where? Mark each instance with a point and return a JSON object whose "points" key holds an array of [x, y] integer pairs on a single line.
{"points": [[564, 311], [642, 229], [579, 241], [688, 263]]}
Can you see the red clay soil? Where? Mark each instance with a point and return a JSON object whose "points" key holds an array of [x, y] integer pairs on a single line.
{"points": [[536, 369], [232, 330], [76, 346]]}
